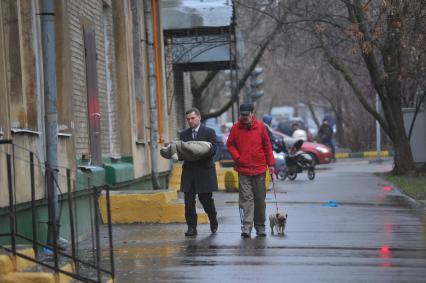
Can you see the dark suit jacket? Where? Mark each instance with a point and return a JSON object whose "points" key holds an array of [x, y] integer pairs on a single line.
{"points": [[201, 173]]}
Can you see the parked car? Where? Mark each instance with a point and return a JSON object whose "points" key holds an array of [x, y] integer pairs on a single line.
{"points": [[321, 154]]}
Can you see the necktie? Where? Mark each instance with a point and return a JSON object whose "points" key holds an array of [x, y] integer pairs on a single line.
{"points": [[194, 134]]}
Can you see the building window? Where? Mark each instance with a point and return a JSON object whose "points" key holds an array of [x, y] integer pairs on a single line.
{"points": [[20, 63]]}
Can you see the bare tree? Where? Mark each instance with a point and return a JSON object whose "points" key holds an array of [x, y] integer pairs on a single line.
{"points": [[372, 35]]}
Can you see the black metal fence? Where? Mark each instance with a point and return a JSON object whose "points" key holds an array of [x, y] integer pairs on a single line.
{"points": [[55, 252]]}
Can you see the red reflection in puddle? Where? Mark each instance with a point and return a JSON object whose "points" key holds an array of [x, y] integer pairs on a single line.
{"points": [[387, 188], [385, 253], [388, 228], [385, 249]]}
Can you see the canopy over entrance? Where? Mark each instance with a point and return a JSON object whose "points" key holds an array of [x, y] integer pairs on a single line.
{"points": [[201, 32]]}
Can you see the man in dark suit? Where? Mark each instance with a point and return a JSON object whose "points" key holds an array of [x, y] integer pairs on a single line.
{"points": [[199, 177]]}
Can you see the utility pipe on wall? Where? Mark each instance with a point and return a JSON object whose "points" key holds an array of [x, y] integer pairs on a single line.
{"points": [[157, 68], [152, 93], [51, 115]]}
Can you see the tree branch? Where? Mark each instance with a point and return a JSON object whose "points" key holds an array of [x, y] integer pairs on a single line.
{"points": [[338, 66], [246, 75]]}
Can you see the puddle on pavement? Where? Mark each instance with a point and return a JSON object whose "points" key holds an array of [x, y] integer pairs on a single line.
{"points": [[160, 252]]}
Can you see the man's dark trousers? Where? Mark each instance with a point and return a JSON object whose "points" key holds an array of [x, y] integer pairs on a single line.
{"points": [[207, 202]]}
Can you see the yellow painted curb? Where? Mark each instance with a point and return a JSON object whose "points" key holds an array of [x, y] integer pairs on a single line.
{"points": [[6, 264], [374, 153], [221, 173], [62, 278], [145, 208], [342, 155], [225, 177], [28, 277], [231, 181], [9, 263], [11, 274], [21, 263], [174, 180]]}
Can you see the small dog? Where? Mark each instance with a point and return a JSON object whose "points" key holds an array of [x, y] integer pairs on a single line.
{"points": [[278, 220]]}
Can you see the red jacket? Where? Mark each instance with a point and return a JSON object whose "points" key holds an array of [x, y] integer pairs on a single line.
{"points": [[250, 148]]}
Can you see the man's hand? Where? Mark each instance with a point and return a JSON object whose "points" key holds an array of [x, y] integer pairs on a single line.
{"points": [[272, 170]]}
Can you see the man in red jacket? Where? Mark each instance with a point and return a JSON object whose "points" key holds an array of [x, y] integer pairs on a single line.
{"points": [[251, 149]]}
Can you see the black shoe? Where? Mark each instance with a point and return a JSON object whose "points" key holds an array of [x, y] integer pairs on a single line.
{"points": [[213, 226], [245, 235], [261, 234], [192, 231]]}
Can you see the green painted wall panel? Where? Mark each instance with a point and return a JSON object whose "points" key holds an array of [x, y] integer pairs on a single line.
{"points": [[118, 172], [83, 211]]}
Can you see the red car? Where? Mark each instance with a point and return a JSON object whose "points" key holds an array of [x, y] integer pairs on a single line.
{"points": [[321, 154]]}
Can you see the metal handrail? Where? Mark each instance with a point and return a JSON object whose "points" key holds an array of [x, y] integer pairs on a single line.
{"points": [[54, 247]]}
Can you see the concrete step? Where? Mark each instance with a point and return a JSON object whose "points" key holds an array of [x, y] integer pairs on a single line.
{"points": [[145, 207]]}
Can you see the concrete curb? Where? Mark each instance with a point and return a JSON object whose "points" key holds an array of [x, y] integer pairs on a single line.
{"points": [[364, 154], [418, 206], [227, 177], [9, 263], [137, 207], [174, 179], [12, 270]]}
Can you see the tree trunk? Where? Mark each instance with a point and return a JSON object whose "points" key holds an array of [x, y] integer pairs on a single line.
{"points": [[340, 136], [403, 159], [393, 85]]}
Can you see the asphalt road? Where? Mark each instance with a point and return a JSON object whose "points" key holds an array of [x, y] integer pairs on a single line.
{"points": [[342, 227]]}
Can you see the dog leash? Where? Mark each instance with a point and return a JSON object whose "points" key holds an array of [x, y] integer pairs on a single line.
{"points": [[273, 188]]}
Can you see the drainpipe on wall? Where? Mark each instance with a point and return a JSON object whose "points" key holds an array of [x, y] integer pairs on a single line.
{"points": [[50, 117], [152, 94], [157, 69]]}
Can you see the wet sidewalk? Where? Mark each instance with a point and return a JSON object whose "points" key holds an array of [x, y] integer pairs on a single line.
{"points": [[368, 235]]}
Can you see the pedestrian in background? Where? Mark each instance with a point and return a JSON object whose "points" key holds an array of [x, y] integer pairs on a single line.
{"points": [[251, 150], [325, 135], [298, 133], [199, 177], [267, 121]]}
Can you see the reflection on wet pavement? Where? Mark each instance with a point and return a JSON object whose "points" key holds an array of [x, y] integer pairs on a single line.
{"points": [[373, 235]]}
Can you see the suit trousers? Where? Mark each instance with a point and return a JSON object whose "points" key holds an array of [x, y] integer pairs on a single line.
{"points": [[252, 193], [207, 202]]}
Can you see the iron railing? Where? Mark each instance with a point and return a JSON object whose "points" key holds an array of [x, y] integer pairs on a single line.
{"points": [[89, 265]]}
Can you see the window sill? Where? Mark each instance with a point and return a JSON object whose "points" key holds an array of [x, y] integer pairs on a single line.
{"points": [[24, 131], [142, 142], [64, 135]]}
